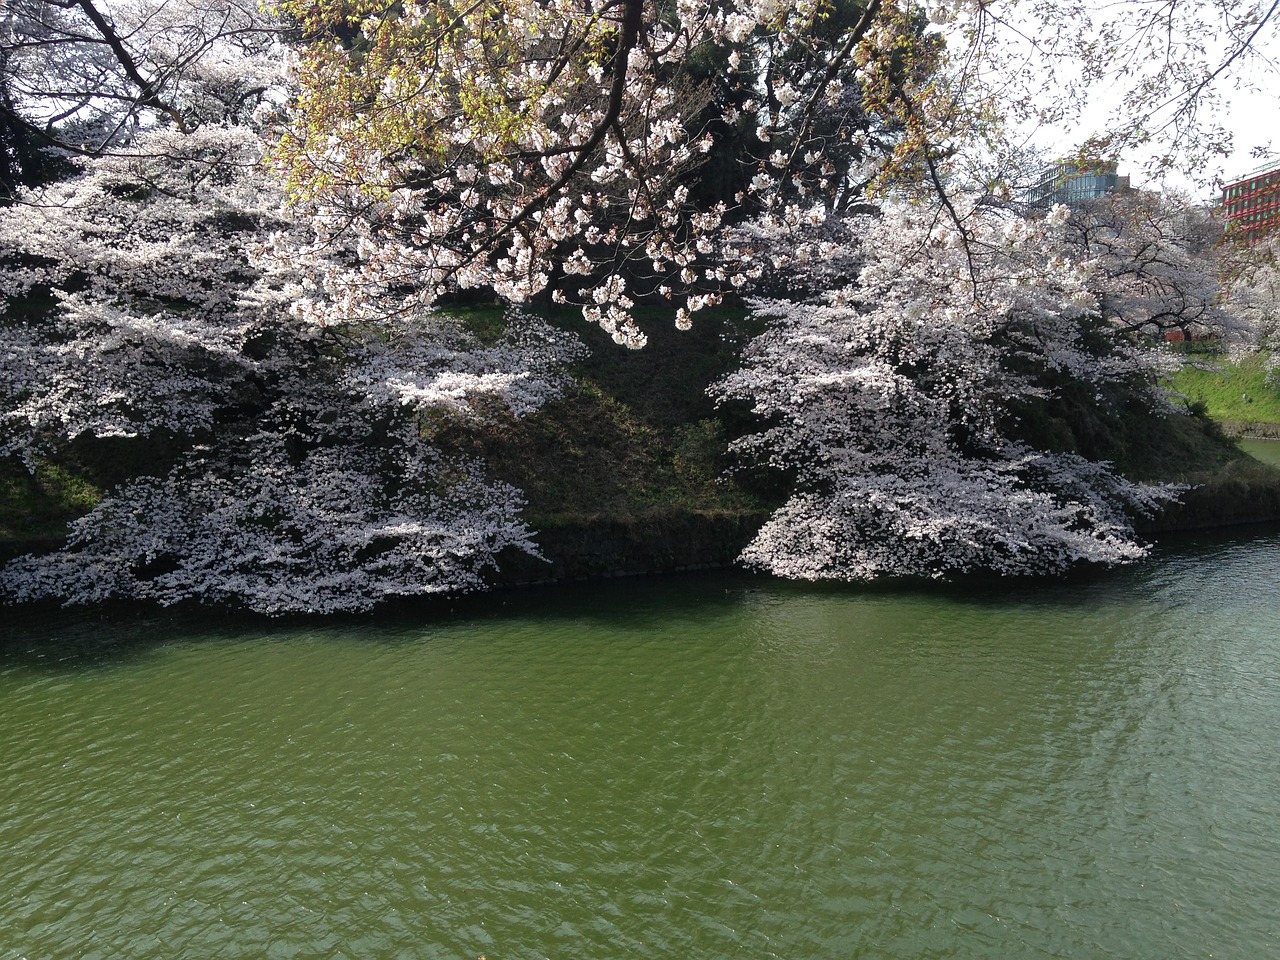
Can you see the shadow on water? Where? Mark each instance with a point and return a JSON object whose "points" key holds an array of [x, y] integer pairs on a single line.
{"points": [[49, 638], [46, 637]]}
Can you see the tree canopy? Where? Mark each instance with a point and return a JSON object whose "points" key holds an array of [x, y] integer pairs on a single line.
{"points": [[243, 267], [531, 147]]}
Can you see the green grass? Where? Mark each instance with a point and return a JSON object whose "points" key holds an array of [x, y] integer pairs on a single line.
{"points": [[590, 454], [1120, 427], [1231, 391]]}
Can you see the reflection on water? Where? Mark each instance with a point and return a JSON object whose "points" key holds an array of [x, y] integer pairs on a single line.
{"points": [[712, 766]]}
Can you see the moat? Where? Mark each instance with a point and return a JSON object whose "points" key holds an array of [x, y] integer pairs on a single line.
{"points": [[706, 766]]}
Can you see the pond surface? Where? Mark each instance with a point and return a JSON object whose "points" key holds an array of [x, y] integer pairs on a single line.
{"points": [[701, 767], [1268, 451]]}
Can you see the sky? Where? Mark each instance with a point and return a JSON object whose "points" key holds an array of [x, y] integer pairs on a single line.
{"points": [[1253, 117], [1249, 92]]}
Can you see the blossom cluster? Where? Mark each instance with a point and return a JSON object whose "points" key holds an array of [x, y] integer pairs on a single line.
{"points": [[281, 331], [306, 478], [343, 526], [893, 403], [548, 149]]}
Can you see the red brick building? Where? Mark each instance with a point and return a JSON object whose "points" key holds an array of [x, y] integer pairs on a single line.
{"points": [[1251, 205]]}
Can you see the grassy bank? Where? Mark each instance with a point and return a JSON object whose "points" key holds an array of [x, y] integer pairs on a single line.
{"points": [[634, 435], [1238, 392]]}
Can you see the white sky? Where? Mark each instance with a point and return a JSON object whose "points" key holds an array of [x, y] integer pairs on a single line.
{"points": [[1253, 117], [1250, 96]]}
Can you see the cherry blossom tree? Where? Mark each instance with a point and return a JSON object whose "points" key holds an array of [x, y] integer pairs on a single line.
{"points": [[84, 76], [1158, 263], [322, 503], [892, 404], [549, 147], [144, 256], [300, 467], [308, 481], [1253, 294], [1125, 77]]}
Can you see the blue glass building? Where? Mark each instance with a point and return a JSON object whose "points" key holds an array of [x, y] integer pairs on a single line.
{"points": [[1071, 182]]}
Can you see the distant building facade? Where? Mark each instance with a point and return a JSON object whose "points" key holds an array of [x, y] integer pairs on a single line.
{"points": [[1251, 205], [1071, 182]]}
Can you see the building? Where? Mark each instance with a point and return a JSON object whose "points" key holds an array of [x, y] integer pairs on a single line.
{"points": [[1071, 181], [1251, 205]]}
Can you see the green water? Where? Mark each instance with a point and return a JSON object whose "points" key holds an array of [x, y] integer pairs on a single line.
{"points": [[703, 767], [1268, 451]]}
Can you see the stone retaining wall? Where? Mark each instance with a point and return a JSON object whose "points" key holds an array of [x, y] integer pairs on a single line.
{"points": [[1251, 431]]}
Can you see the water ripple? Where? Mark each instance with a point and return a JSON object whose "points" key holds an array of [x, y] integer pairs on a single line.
{"points": [[716, 767]]}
